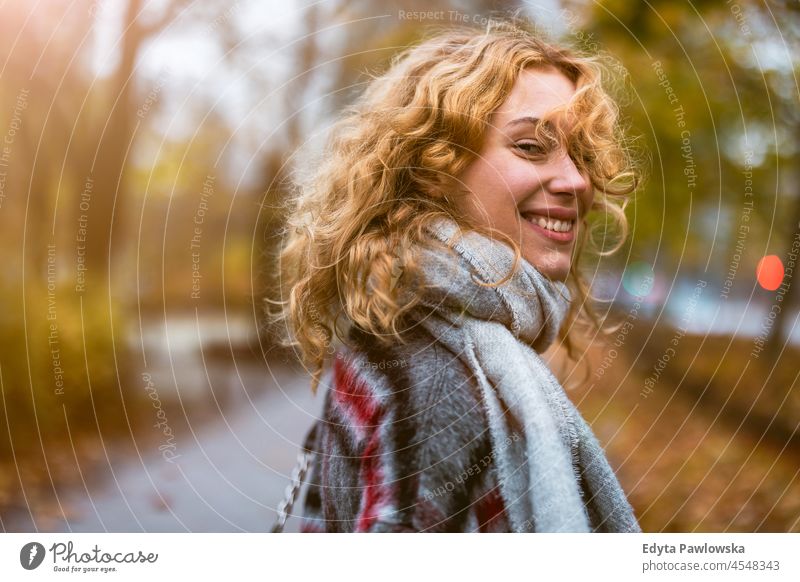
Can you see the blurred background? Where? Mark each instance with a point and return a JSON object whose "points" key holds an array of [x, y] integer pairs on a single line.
{"points": [[145, 149]]}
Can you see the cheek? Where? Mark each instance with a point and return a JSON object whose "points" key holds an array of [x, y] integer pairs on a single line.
{"points": [[499, 180]]}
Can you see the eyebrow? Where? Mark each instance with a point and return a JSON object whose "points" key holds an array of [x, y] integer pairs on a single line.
{"points": [[525, 120], [530, 120]]}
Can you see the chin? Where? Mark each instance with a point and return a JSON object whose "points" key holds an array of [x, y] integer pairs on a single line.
{"points": [[556, 275], [558, 271]]}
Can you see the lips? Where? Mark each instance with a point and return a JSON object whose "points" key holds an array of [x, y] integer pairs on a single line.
{"points": [[558, 212], [554, 223]]}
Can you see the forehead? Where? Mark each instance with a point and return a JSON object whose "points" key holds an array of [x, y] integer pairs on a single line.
{"points": [[535, 93]]}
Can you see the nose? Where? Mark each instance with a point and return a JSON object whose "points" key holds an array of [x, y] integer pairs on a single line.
{"points": [[566, 178]]}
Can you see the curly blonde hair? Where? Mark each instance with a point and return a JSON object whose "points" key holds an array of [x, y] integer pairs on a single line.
{"points": [[389, 169]]}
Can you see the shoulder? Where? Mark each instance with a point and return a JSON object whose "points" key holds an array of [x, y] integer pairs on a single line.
{"points": [[418, 381]]}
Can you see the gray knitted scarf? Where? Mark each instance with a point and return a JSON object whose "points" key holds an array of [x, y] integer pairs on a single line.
{"points": [[542, 447]]}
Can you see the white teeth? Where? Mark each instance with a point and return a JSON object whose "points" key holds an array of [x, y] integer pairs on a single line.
{"points": [[551, 224]]}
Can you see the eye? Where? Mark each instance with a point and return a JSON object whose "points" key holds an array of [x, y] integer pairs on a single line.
{"points": [[531, 148]]}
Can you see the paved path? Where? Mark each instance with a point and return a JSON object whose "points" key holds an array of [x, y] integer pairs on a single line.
{"points": [[230, 474]]}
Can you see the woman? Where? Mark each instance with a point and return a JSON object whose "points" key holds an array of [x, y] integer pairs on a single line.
{"points": [[442, 228]]}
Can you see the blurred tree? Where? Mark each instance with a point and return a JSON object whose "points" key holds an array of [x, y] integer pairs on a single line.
{"points": [[725, 72], [114, 125], [783, 85], [65, 371]]}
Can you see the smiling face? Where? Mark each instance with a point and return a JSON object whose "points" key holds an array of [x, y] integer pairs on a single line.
{"points": [[531, 191]]}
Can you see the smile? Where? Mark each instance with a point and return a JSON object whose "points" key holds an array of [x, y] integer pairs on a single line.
{"points": [[560, 230]]}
